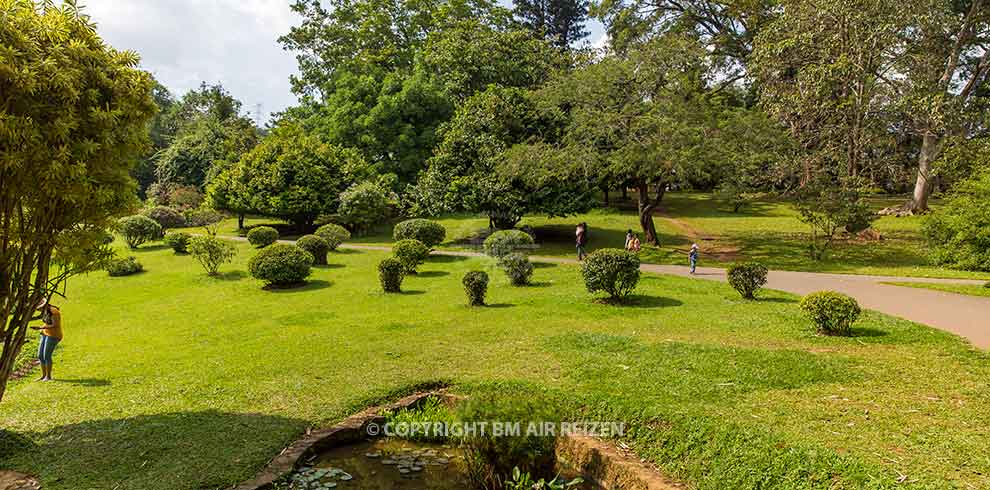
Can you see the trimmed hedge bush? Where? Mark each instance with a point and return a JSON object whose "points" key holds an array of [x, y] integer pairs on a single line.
{"points": [[124, 267], [611, 270], [390, 274], [335, 235], [987, 285], [363, 205], [517, 267], [411, 253], [747, 278], [505, 242], [212, 252], [429, 232], [138, 229], [166, 217], [476, 286], [281, 264], [316, 246], [832, 313], [178, 241], [262, 236]]}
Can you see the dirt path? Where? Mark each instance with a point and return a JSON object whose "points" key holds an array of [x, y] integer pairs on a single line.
{"points": [[714, 246]]}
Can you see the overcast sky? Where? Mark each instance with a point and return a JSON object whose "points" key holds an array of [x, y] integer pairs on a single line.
{"points": [[235, 42]]}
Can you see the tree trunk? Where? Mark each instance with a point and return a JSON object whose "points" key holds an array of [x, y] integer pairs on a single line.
{"points": [[240, 221], [923, 186], [605, 201], [646, 208], [625, 193], [502, 222]]}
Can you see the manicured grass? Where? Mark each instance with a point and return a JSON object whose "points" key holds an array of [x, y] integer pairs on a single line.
{"points": [[967, 289], [767, 231], [170, 379]]}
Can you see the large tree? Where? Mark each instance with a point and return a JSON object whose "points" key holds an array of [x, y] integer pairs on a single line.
{"points": [[75, 115], [643, 121], [466, 173], [291, 175], [561, 22]]}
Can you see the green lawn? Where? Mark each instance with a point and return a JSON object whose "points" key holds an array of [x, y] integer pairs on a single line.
{"points": [[767, 231], [967, 289], [174, 380]]}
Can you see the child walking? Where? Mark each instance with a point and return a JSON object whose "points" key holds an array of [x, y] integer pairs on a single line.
{"points": [[693, 257]]}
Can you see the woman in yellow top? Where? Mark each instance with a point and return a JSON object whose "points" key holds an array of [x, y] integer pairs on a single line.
{"points": [[51, 335]]}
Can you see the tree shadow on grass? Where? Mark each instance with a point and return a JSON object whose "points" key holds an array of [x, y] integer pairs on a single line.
{"points": [[640, 301], [207, 449], [329, 266], [433, 274], [347, 251], [230, 276], [87, 382], [446, 259], [544, 265], [866, 332], [539, 284], [148, 249], [300, 288], [500, 305], [776, 300], [411, 293]]}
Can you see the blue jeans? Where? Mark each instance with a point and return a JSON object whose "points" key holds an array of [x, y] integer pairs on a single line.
{"points": [[45, 349], [694, 265]]}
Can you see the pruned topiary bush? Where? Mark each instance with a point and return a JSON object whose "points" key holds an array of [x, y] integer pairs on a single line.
{"points": [[316, 246], [166, 217], [335, 235], [429, 232], [611, 270], [124, 267], [138, 229], [747, 278], [411, 253], [476, 286], [363, 205], [832, 313], [390, 274], [281, 265], [517, 267], [262, 236], [505, 242], [212, 252], [178, 241]]}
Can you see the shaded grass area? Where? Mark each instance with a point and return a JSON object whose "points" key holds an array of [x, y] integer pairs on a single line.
{"points": [[174, 380], [967, 289], [767, 231]]}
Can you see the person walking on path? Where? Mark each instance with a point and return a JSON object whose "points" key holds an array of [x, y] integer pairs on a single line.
{"points": [[581, 239], [693, 257], [51, 335]]}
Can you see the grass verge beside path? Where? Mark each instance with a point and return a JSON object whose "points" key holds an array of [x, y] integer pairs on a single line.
{"points": [[170, 379], [967, 289]]}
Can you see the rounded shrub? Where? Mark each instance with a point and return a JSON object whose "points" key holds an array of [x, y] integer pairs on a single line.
{"points": [[262, 236], [281, 265], [747, 278], [611, 270], [178, 241], [166, 217], [390, 274], [124, 267], [212, 252], [138, 229], [335, 235], [832, 313], [517, 267], [363, 205], [476, 287], [316, 246], [202, 217], [987, 285], [429, 232], [505, 242], [411, 253]]}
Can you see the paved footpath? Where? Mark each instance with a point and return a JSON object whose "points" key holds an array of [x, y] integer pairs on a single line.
{"points": [[966, 316]]}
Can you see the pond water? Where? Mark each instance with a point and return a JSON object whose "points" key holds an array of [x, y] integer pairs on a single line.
{"points": [[385, 464]]}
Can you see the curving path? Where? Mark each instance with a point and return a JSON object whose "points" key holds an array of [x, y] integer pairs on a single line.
{"points": [[966, 316]]}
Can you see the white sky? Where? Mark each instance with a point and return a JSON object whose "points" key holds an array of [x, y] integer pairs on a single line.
{"points": [[235, 42]]}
